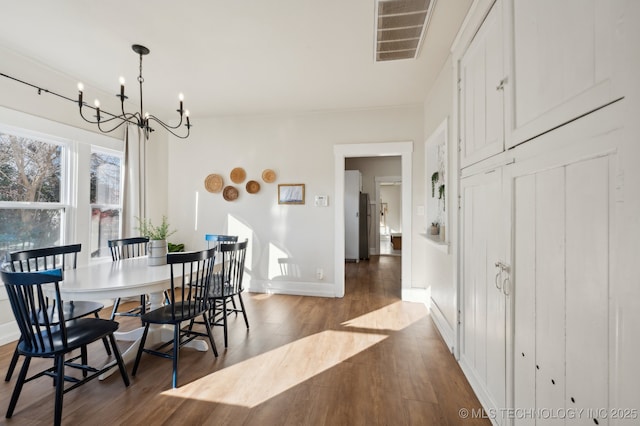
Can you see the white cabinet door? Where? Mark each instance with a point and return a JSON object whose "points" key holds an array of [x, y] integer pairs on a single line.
{"points": [[481, 97], [484, 315], [563, 59], [561, 231]]}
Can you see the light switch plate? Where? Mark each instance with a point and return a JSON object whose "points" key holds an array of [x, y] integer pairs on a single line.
{"points": [[321, 200]]}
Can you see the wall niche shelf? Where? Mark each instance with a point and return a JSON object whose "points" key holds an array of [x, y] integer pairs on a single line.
{"points": [[436, 160], [434, 240]]}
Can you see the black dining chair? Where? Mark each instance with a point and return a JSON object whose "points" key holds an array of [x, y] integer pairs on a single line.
{"points": [[47, 336], [64, 257], [191, 275], [126, 248], [227, 283], [217, 240]]}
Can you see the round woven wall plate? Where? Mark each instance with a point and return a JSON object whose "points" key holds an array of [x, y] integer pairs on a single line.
{"points": [[253, 187], [213, 183], [230, 193], [269, 176], [238, 175]]}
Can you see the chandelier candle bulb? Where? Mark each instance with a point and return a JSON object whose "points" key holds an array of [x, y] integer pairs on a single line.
{"points": [[80, 89], [122, 88]]}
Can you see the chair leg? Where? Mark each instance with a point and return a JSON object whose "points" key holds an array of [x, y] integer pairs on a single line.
{"points": [[104, 339], [224, 321], [116, 352], [208, 327], [85, 359], [18, 388], [59, 389], [12, 364], [143, 306], [116, 303], [244, 311], [176, 351], [140, 349]]}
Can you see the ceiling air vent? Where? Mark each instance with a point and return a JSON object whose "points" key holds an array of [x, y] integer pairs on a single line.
{"points": [[401, 25]]}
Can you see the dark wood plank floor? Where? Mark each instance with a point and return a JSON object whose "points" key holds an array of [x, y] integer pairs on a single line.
{"points": [[365, 359]]}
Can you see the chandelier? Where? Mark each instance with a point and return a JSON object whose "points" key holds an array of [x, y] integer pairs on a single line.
{"points": [[108, 122]]}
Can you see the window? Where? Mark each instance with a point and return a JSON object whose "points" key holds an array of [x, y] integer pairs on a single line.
{"points": [[32, 192], [106, 200], [58, 185]]}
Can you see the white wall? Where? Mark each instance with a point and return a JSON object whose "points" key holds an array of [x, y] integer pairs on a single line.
{"points": [[439, 265], [299, 147]]}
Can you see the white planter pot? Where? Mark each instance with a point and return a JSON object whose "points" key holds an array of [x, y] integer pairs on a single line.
{"points": [[157, 252]]}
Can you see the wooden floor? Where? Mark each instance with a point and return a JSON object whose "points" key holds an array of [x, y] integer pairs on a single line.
{"points": [[365, 359]]}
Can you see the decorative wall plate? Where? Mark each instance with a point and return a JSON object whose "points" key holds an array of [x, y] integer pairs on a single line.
{"points": [[213, 183], [238, 175], [230, 193], [269, 176], [253, 187]]}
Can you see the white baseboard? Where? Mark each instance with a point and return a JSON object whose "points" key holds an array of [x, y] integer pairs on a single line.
{"points": [[293, 288], [446, 330], [481, 392], [9, 332]]}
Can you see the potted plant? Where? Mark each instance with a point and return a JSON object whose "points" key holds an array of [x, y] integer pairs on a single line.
{"points": [[435, 228], [157, 247]]}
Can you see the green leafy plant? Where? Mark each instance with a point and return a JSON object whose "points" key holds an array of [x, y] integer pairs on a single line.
{"points": [[434, 179], [173, 248], [441, 194], [148, 229]]}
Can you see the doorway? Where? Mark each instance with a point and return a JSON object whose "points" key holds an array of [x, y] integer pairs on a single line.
{"points": [[388, 196], [341, 152]]}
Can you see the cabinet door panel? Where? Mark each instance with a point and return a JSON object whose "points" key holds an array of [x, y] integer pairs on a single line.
{"points": [[562, 62], [524, 345], [484, 313], [587, 286], [481, 70], [550, 291]]}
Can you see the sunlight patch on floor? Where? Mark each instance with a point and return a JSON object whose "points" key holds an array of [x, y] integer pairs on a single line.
{"points": [[284, 367], [396, 316]]}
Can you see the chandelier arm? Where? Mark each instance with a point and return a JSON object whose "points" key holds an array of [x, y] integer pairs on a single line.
{"points": [[122, 121], [126, 117], [163, 124], [170, 129]]}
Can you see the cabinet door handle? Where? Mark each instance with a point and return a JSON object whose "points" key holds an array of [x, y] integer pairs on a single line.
{"points": [[498, 283], [506, 286]]}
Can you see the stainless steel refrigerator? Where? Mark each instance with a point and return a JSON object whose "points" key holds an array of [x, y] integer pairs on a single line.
{"points": [[356, 217]]}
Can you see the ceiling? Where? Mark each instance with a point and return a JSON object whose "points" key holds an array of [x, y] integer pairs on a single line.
{"points": [[230, 57]]}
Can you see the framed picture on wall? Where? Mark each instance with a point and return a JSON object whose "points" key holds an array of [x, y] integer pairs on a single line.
{"points": [[291, 193]]}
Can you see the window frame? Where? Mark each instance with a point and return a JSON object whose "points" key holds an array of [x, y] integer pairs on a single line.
{"points": [[120, 206], [76, 191]]}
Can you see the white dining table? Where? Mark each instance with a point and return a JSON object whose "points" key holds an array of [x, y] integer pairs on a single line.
{"points": [[99, 281]]}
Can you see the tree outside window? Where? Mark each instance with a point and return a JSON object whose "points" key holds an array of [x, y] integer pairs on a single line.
{"points": [[31, 205]]}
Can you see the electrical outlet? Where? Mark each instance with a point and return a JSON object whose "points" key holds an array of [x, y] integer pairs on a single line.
{"points": [[319, 273]]}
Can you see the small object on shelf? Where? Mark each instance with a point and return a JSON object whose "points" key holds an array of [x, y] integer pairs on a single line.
{"points": [[435, 228]]}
